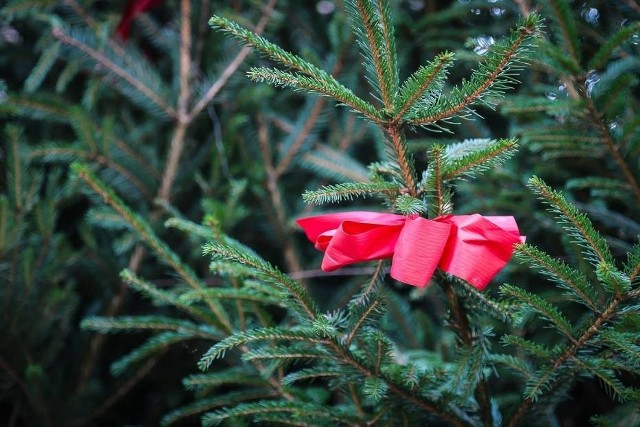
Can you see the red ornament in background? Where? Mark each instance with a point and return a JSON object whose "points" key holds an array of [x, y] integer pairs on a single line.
{"points": [[133, 8], [472, 247]]}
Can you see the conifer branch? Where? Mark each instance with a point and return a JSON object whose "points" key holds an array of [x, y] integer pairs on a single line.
{"points": [[349, 190], [562, 274], [233, 65], [432, 407], [562, 13], [117, 70], [286, 160], [436, 177], [165, 297], [371, 308], [403, 158], [420, 82], [612, 148], [269, 49], [543, 307], [599, 59], [463, 330], [145, 231], [570, 352], [580, 226], [495, 72], [264, 268], [376, 44], [388, 36], [330, 88], [478, 159]]}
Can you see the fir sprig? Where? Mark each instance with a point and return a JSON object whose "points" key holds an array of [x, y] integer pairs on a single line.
{"points": [[494, 75]]}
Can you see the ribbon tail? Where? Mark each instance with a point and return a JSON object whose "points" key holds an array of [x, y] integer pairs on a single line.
{"points": [[478, 248], [418, 250]]}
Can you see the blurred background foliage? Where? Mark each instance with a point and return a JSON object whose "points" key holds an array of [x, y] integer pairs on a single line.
{"points": [[180, 132]]}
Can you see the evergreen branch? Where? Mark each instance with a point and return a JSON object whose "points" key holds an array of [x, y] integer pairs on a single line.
{"points": [[434, 180], [610, 144], [563, 15], [451, 418], [160, 296], [233, 66], [45, 107], [349, 190], [227, 399], [102, 59], [153, 345], [632, 265], [146, 233], [333, 164], [425, 79], [374, 42], [463, 330], [622, 342], [390, 52], [529, 346], [492, 78], [569, 352], [301, 136], [514, 363], [64, 153], [399, 144], [408, 205], [329, 88], [608, 187], [247, 294], [157, 323], [281, 280], [310, 374], [543, 307], [372, 307], [612, 279], [607, 378], [578, 287], [293, 409], [605, 52], [467, 374], [578, 225], [15, 165], [282, 355], [488, 305], [458, 160], [212, 380], [41, 69], [269, 49], [261, 334]]}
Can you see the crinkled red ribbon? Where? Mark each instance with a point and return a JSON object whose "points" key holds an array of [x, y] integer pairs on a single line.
{"points": [[472, 247]]}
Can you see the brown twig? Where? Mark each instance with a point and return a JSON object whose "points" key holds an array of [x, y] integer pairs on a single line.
{"points": [[232, 67], [178, 140]]}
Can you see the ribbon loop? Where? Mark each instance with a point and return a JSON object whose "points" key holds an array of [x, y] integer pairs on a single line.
{"points": [[471, 247]]}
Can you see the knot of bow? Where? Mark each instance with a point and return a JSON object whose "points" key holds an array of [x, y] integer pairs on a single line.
{"points": [[472, 247]]}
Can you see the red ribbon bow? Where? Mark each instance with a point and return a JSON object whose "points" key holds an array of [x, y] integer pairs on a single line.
{"points": [[471, 247]]}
